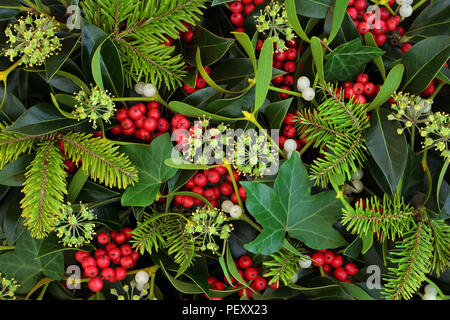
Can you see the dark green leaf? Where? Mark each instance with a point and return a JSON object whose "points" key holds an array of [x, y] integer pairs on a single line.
{"points": [[276, 112], [370, 41], [190, 111], [339, 12], [13, 174], [55, 62], [389, 86], [317, 53], [264, 74], [313, 8], [12, 107]]}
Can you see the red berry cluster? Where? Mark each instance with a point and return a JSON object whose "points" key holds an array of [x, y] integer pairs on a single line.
{"points": [[362, 89], [328, 260], [368, 21], [285, 60], [288, 131], [240, 10], [123, 257], [200, 83], [211, 184], [187, 36], [145, 122], [249, 274]]}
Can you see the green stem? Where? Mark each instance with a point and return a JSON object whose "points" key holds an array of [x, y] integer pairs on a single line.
{"points": [[413, 133], [436, 91], [309, 144], [418, 4], [292, 93], [7, 248], [440, 293], [429, 179], [41, 294], [156, 97]]}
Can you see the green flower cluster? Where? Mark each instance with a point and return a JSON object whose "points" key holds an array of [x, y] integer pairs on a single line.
{"points": [[274, 21], [76, 229], [8, 288], [94, 105], [409, 110], [131, 292], [437, 133], [33, 39], [207, 223]]}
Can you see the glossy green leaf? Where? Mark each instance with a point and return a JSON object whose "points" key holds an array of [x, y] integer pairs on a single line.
{"points": [[212, 47], [346, 32], [51, 245], [290, 208], [190, 111], [353, 250], [232, 107], [181, 164], [370, 41], [41, 119], [434, 20], [423, 62], [22, 264], [339, 12], [313, 8], [13, 174], [11, 4], [149, 160], [12, 108], [293, 20], [246, 43], [389, 86], [348, 59], [75, 185], [55, 62], [218, 2], [182, 286], [387, 147], [317, 53], [275, 112], [264, 74]]}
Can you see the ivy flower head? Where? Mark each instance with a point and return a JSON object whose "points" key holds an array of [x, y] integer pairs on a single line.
{"points": [[206, 224], [94, 105], [76, 229], [437, 133], [32, 39], [274, 22], [8, 288]]}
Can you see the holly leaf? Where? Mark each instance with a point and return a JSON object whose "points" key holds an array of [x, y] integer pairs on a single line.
{"points": [[290, 208], [149, 160]]}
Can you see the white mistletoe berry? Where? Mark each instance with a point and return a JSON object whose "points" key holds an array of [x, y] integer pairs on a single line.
{"points": [[139, 87], [141, 277], [348, 189], [405, 10], [429, 289], [400, 2], [290, 145], [304, 263], [235, 211], [294, 278], [308, 94], [226, 205], [357, 175], [429, 296], [357, 186], [303, 83], [149, 90]]}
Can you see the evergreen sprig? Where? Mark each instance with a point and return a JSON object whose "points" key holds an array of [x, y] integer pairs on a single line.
{"points": [[12, 145], [44, 188], [339, 126], [389, 218], [412, 257], [139, 29], [284, 265], [441, 245], [99, 158]]}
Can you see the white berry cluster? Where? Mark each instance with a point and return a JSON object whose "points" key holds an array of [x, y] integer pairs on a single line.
{"points": [[430, 293], [141, 279], [289, 147], [305, 263], [232, 209], [356, 185], [145, 89], [405, 8], [304, 86]]}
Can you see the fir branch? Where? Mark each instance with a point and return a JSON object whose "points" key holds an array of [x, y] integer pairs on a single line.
{"points": [[44, 189], [441, 245], [148, 235], [180, 245], [100, 159], [390, 219], [284, 265], [139, 29], [413, 258], [339, 126], [12, 145]]}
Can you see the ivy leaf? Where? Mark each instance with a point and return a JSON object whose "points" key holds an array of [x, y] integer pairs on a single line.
{"points": [[348, 59], [22, 264], [152, 171], [290, 208]]}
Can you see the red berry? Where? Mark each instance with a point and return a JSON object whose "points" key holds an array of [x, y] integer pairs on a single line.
{"points": [[81, 255], [188, 36], [318, 258], [391, 24], [120, 273], [291, 53], [289, 131], [274, 286], [380, 27], [70, 166], [135, 112], [103, 261], [280, 56], [197, 190], [226, 188], [127, 232], [188, 201], [117, 130], [258, 2], [249, 9], [134, 255], [277, 64], [429, 90], [200, 180], [126, 262], [348, 93], [88, 262], [237, 19], [127, 124], [369, 88], [245, 262], [285, 95], [209, 194], [122, 114], [363, 78], [235, 176], [218, 285], [188, 89], [358, 88], [384, 13], [289, 119], [163, 125], [120, 238], [278, 80], [103, 238], [95, 284], [363, 27], [236, 7], [259, 44], [340, 274], [292, 43], [289, 80], [259, 283], [114, 253], [141, 107], [221, 170], [360, 99], [150, 124], [352, 12], [91, 271], [242, 192], [400, 30], [108, 273], [337, 262], [211, 280], [406, 47], [125, 249], [213, 176], [360, 4], [154, 113], [329, 256], [110, 246], [139, 123], [351, 269], [250, 273], [326, 268], [380, 39], [289, 67], [347, 85]]}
